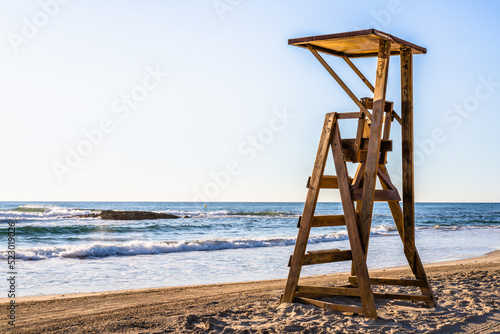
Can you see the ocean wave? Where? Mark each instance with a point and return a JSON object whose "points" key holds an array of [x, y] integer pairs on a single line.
{"points": [[29, 208], [99, 250], [72, 228], [40, 212], [44, 212], [383, 229], [132, 248]]}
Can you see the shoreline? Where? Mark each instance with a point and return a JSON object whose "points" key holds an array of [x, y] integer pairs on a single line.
{"points": [[215, 308], [481, 258]]}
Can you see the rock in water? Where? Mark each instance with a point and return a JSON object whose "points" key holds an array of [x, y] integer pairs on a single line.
{"points": [[134, 215]]}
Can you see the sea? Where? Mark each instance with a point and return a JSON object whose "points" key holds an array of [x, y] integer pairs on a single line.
{"points": [[59, 253]]}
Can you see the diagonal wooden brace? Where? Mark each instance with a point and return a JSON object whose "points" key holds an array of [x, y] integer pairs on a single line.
{"points": [[340, 82]]}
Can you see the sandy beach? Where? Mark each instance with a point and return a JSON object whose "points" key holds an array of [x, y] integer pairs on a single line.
{"points": [[467, 290]]}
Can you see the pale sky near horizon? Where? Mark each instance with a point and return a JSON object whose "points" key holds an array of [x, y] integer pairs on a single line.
{"points": [[205, 100]]}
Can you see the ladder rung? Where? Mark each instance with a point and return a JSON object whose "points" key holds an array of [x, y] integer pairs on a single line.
{"points": [[323, 251], [380, 195], [327, 256], [347, 115], [392, 281], [328, 220], [324, 256], [327, 182], [330, 306], [327, 290]]}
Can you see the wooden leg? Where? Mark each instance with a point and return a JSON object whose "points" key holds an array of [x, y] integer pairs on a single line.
{"points": [[407, 148], [411, 252], [357, 182], [309, 208], [373, 154], [358, 254]]}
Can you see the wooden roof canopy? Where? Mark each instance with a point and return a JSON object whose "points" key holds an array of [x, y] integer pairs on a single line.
{"points": [[360, 43]]}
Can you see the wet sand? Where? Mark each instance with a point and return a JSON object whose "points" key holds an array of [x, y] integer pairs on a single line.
{"points": [[468, 293]]}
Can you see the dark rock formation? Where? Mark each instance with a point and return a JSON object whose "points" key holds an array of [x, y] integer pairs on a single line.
{"points": [[134, 215], [128, 215]]}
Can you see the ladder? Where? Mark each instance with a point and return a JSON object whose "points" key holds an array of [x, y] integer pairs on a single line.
{"points": [[369, 150]]}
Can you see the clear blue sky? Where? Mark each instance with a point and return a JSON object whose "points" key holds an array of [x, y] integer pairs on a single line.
{"points": [[184, 100]]}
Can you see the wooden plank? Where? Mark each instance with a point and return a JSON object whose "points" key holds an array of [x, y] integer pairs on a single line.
{"points": [[391, 281], [379, 196], [412, 256], [330, 182], [358, 254], [365, 216], [324, 251], [309, 208], [358, 72], [328, 291], [349, 156], [327, 256], [328, 220], [339, 81], [407, 149], [349, 144], [326, 182], [353, 292], [350, 147], [325, 220], [330, 306], [349, 115]]}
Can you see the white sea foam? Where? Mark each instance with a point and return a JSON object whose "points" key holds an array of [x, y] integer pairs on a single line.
{"points": [[137, 247], [224, 242], [383, 229], [40, 212], [44, 212]]}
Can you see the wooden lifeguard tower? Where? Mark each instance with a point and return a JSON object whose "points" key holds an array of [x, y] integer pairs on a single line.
{"points": [[369, 150]]}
